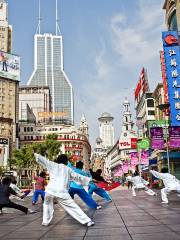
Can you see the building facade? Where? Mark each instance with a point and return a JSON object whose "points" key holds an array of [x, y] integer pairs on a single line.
{"points": [[49, 71], [9, 102], [38, 99], [172, 8], [106, 130], [5, 28], [73, 141]]}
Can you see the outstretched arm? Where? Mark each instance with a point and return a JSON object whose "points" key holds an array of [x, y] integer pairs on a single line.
{"points": [[79, 178], [156, 174], [43, 161]]}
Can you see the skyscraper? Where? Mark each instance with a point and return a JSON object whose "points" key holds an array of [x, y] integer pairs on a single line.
{"points": [[49, 71], [5, 28], [106, 129]]}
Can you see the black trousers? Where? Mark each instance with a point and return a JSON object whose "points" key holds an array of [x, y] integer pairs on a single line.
{"points": [[15, 206]]}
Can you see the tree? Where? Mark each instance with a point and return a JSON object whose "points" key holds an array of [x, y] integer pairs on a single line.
{"points": [[49, 148]]}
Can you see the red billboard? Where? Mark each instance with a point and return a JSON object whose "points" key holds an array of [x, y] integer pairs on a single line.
{"points": [[164, 77], [142, 86]]}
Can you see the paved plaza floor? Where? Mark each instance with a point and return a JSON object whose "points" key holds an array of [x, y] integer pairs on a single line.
{"points": [[126, 218]]}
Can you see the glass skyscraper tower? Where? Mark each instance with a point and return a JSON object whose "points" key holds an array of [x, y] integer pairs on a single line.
{"points": [[49, 71]]}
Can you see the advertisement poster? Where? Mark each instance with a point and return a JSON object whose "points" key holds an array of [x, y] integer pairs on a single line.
{"points": [[9, 66], [174, 137], [118, 172], [157, 140], [125, 167], [145, 157], [134, 158]]}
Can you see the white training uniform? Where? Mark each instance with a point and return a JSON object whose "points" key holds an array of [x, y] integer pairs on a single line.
{"points": [[171, 183], [58, 186], [139, 183]]}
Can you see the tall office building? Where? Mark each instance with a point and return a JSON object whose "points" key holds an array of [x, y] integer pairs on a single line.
{"points": [[49, 71], [106, 129], [5, 28], [172, 8]]}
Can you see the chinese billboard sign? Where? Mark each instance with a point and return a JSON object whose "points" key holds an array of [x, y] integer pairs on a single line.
{"points": [[9, 66], [157, 140], [128, 143], [164, 77], [174, 137], [172, 64]]}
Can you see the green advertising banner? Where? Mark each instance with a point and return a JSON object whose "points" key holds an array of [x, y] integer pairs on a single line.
{"points": [[143, 144], [158, 123]]}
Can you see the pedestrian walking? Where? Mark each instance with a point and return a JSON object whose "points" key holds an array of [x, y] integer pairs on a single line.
{"points": [[138, 183], [60, 177], [77, 188], [171, 183]]}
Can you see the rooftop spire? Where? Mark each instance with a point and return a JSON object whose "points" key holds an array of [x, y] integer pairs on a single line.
{"points": [[57, 20], [39, 19]]}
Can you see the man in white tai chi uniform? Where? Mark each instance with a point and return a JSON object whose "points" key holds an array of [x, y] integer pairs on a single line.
{"points": [[58, 186], [171, 183], [139, 183]]}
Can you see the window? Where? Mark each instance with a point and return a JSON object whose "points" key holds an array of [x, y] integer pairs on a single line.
{"points": [[150, 103], [150, 113], [173, 22]]}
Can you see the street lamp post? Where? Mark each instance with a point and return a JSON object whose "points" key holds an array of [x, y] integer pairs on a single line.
{"points": [[167, 148]]}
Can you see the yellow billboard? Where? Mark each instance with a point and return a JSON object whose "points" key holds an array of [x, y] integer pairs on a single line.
{"points": [[52, 114]]}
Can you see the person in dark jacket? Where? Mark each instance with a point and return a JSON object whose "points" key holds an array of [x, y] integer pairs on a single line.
{"points": [[5, 192]]}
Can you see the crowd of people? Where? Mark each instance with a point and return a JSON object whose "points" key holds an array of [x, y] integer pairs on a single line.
{"points": [[66, 181]]}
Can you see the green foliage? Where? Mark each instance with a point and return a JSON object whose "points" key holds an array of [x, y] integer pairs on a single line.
{"points": [[24, 157]]}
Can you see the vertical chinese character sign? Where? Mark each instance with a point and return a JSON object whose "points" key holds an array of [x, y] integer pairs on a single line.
{"points": [[172, 61]]}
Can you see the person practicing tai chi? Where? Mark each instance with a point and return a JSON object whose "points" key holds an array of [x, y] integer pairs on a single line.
{"points": [[140, 184], [39, 187], [171, 183], [5, 192], [60, 177], [77, 188], [93, 188]]}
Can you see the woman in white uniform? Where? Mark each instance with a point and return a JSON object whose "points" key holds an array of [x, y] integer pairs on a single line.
{"points": [[58, 186], [139, 183], [171, 183]]}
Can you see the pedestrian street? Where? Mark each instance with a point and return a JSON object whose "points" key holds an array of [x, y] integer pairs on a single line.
{"points": [[126, 218]]}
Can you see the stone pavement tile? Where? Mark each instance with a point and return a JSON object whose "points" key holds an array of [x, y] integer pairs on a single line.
{"points": [[107, 220], [157, 236], [121, 237], [175, 227], [112, 224], [135, 223], [63, 238], [24, 235], [106, 232], [65, 233], [148, 229], [170, 221], [138, 218], [167, 216]]}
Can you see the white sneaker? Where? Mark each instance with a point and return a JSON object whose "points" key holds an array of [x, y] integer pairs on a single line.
{"points": [[45, 224], [164, 202], [31, 211], [98, 207], [89, 224]]}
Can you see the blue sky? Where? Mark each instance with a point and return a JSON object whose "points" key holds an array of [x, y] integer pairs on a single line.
{"points": [[106, 43]]}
